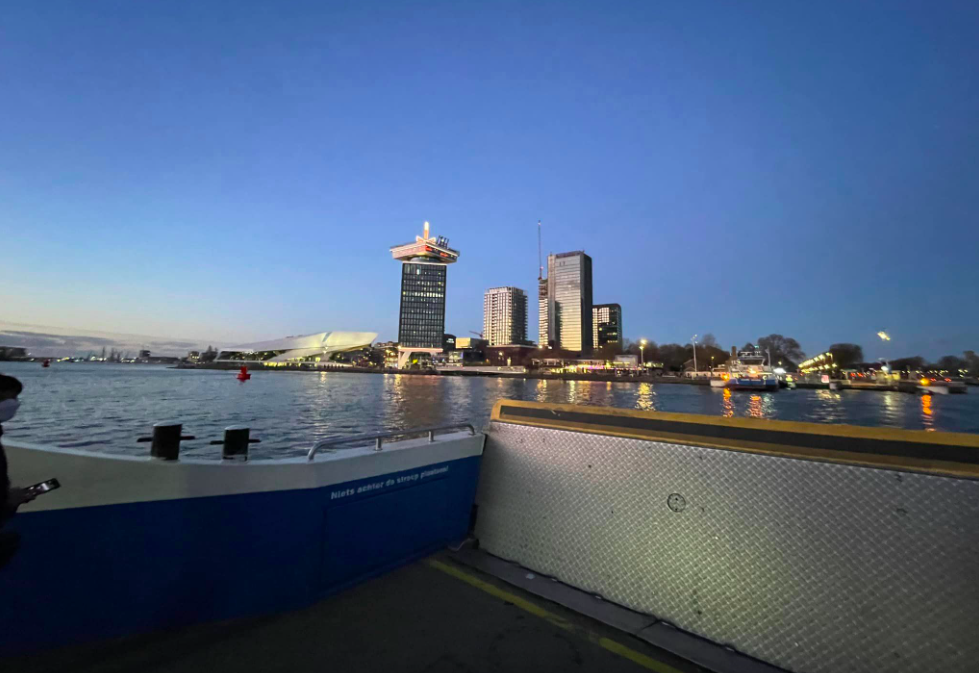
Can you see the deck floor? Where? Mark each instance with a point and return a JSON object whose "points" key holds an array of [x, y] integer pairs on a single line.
{"points": [[418, 618]]}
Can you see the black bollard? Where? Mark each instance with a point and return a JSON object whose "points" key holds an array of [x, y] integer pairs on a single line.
{"points": [[166, 441], [235, 442]]}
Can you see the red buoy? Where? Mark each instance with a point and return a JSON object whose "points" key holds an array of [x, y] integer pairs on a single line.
{"points": [[243, 375], [46, 363]]}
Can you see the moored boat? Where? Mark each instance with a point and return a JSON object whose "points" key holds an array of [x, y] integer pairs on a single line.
{"points": [[747, 371]]}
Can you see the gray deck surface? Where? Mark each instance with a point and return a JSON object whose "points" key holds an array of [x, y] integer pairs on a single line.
{"points": [[417, 618]]}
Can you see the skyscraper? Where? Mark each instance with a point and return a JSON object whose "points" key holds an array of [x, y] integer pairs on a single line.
{"points": [[569, 307], [423, 276], [505, 316], [542, 331], [542, 303], [607, 325]]}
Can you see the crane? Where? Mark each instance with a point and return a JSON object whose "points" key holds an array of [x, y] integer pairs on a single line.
{"points": [[479, 334]]}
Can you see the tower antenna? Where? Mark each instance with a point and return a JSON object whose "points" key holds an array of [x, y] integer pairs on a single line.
{"points": [[540, 262]]}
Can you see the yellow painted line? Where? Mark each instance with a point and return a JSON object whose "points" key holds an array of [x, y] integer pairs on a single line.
{"points": [[798, 427], [605, 643], [688, 436]]}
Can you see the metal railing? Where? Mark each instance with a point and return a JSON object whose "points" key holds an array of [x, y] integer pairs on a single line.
{"points": [[378, 438]]}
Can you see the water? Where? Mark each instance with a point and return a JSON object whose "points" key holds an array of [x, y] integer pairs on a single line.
{"points": [[102, 407]]}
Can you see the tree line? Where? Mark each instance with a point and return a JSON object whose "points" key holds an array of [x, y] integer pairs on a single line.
{"points": [[675, 357], [785, 352]]}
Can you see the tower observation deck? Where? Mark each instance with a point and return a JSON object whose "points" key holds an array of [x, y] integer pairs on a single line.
{"points": [[421, 321]]}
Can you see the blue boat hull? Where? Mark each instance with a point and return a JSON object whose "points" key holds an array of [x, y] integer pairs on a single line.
{"points": [[94, 572], [752, 384]]}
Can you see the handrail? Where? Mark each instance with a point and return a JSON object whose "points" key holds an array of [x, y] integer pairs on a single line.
{"points": [[380, 437]]}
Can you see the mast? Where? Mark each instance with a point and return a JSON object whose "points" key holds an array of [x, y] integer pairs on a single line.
{"points": [[540, 262]]}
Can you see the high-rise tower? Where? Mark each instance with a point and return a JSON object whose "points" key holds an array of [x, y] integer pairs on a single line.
{"points": [[423, 275], [505, 316], [569, 301], [543, 307]]}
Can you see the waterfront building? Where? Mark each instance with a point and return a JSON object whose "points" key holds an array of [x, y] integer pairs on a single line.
{"points": [[421, 323], [512, 355], [387, 352], [542, 307], [448, 342], [297, 349], [505, 316], [607, 325], [471, 342], [13, 353], [466, 357], [569, 302]]}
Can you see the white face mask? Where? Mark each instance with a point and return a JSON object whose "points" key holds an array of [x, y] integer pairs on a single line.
{"points": [[8, 409]]}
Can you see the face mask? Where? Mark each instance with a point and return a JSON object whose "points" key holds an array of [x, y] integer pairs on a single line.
{"points": [[8, 409]]}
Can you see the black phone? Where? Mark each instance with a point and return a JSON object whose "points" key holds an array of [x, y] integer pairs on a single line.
{"points": [[43, 487]]}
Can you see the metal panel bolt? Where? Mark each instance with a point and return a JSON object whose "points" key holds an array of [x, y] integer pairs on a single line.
{"points": [[676, 502]]}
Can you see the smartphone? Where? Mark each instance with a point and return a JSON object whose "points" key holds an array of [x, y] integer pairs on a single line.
{"points": [[43, 487]]}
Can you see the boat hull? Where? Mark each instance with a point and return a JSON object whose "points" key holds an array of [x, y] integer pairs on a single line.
{"points": [[752, 384], [156, 545]]}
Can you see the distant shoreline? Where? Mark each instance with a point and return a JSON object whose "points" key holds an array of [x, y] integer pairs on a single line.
{"points": [[461, 372]]}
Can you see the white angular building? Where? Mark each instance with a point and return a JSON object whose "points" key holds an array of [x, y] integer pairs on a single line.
{"points": [[309, 348]]}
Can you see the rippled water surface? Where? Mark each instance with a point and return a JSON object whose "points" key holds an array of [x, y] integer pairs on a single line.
{"points": [[107, 407]]}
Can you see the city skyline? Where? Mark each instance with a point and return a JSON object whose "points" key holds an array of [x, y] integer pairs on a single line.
{"points": [[147, 189]]}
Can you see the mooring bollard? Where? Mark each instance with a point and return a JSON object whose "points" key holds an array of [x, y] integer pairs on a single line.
{"points": [[166, 440], [235, 442]]}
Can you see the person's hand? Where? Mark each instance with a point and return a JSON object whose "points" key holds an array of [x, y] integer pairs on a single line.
{"points": [[18, 496]]}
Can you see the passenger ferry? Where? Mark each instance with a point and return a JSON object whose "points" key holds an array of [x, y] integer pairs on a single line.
{"points": [[559, 537], [747, 371]]}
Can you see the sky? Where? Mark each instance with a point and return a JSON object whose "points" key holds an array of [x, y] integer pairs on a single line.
{"points": [[237, 171]]}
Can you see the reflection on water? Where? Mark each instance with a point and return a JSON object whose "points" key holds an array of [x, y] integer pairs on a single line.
{"points": [[645, 398], [106, 407], [541, 391], [728, 403], [927, 413]]}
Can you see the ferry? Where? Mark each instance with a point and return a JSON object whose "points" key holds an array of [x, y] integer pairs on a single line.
{"points": [[557, 537], [747, 371], [941, 386]]}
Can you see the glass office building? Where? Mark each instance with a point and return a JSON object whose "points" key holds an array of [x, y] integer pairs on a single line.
{"points": [[569, 289], [607, 325], [422, 321]]}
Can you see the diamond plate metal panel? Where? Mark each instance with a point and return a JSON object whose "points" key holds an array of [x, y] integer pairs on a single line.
{"points": [[812, 566]]}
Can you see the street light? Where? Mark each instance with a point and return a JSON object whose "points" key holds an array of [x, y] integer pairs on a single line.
{"points": [[693, 340], [642, 346]]}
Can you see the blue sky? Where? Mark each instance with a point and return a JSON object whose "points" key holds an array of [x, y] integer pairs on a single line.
{"points": [[237, 171]]}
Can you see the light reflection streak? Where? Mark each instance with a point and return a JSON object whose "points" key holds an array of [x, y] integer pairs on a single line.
{"points": [[728, 403], [927, 412], [645, 398]]}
